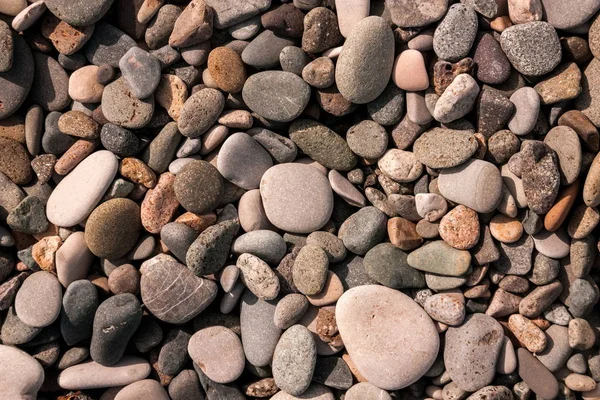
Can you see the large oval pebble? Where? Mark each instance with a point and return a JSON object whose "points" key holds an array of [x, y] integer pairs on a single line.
{"points": [[39, 300], [218, 352], [21, 375], [382, 326], [16, 82], [444, 148], [121, 107], [78, 193]]}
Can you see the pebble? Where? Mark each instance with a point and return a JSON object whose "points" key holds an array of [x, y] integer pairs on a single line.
{"points": [[345, 189], [258, 277], [193, 26], [296, 198], [264, 50], [455, 35], [448, 309], [333, 372], [296, 348], [581, 334], [112, 228], [502, 145], [540, 176], [21, 376], [472, 350], [407, 356], [444, 148], [321, 30], [230, 12], [556, 353], [438, 257], [243, 161], [431, 206], [78, 13], [290, 310], [122, 313], [552, 244], [527, 108], [141, 72], [73, 259], [529, 334], [460, 184], [209, 252], [264, 90], [17, 81], [219, 353], [586, 102], [91, 375], [367, 139], [377, 264], [400, 165], [531, 57], [562, 17], [15, 163], [506, 229], [370, 41], [365, 390], [108, 45], [409, 71], [565, 142], [124, 279], [322, 145], [493, 111], [15, 331], [40, 287], [198, 174], [562, 84], [162, 148], [49, 74], [460, 228], [120, 106], [363, 230], [227, 69], [406, 14], [193, 294], [264, 244], [145, 388], [259, 332], [281, 148], [65, 38], [319, 73], [79, 305], [493, 66], [28, 216], [314, 392], [403, 233]]}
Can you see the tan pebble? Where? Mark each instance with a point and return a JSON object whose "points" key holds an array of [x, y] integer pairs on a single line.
{"points": [[239, 119], [503, 304], [506, 229], [583, 221], [137, 172], [460, 228], [561, 208], [52, 230], [197, 222], [194, 25], [101, 283], [148, 9], [227, 69], [409, 71], [582, 335], [527, 333], [447, 308], [44, 251], [76, 154], [541, 323], [171, 94], [160, 204], [523, 11], [13, 127], [76, 123], [84, 85], [435, 392], [263, 388], [403, 233], [477, 291], [499, 24], [332, 291], [580, 383]]}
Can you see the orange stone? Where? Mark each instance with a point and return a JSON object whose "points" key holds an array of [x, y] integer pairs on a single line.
{"points": [[506, 229], [561, 208], [403, 233]]}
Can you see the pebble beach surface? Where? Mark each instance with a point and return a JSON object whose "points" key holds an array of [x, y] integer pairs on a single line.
{"points": [[299, 199]]}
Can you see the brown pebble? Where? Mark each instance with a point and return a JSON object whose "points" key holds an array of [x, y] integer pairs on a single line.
{"points": [[43, 166], [137, 172], [44, 251], [14, 161], [265, 387], [403, 233], [66, 39], [76, 123], [76, 154], [527, 332], [506, 229], [171, 94], [197, 222], [227, 69], [460, 228], [160, 204], [561, 208], [124, 279]]}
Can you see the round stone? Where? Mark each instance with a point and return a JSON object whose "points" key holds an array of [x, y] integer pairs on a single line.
{"points": [[264, 51], [39, 299], [118, 140], [367, 139], [200, 112], [321, 30], [296, 197], [258, 277], [444, 148], [400, 165], [319, 73], [141, 72], [561, 16], [387, 109], [113, 228], [460, 228], [322, 144], [218, 352], [456, 33], [506, 229], [14, 161], [227, 69], [532, 48], [410, 72], [387, 265], [171, 292], [199, 174], [79, 12], [265, 244], [79, 305], [407, 14], [243, 161], [369, 47], [457, 100], [21, 376], [493, 66], [465, 185], [266, 92], [383, 326], [294, 360], [290, 309], [565, 142], [121, 107]]}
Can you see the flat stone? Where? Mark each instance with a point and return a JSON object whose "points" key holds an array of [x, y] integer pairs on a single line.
{"points": [[258, 277], [141, 71], [369, 46], [210, 251], [581, 334], [444, 148], [144, 388], [564, 83], [565, 142], [115, 322], [191, 294], [281, 148], [229, 12], [315, 391], [28, 217], [289, 310], [73, 259], [259, 332], [333, 372], [440, 258], [283, 186], [107, 45], [202, 174], [121, 107], [552, 244], [79, 305], [472, 351], [527, 333], [456, 33], [66, 38], [265, 49], [494, 110], [91, 375], [14, 163], [460, 228], [557, 350], [373, 343], [194, 25], [363, 230], [219, 353], [541, 178], [446, 308], [265, 91], [39, 288], [562, 17], [532, 57], [493, 66], [49, 74], [243, 161], [515, 258], [527, 108], [22, 376], [387, 265], [407, 14], [462, 185], [296, 348]]}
